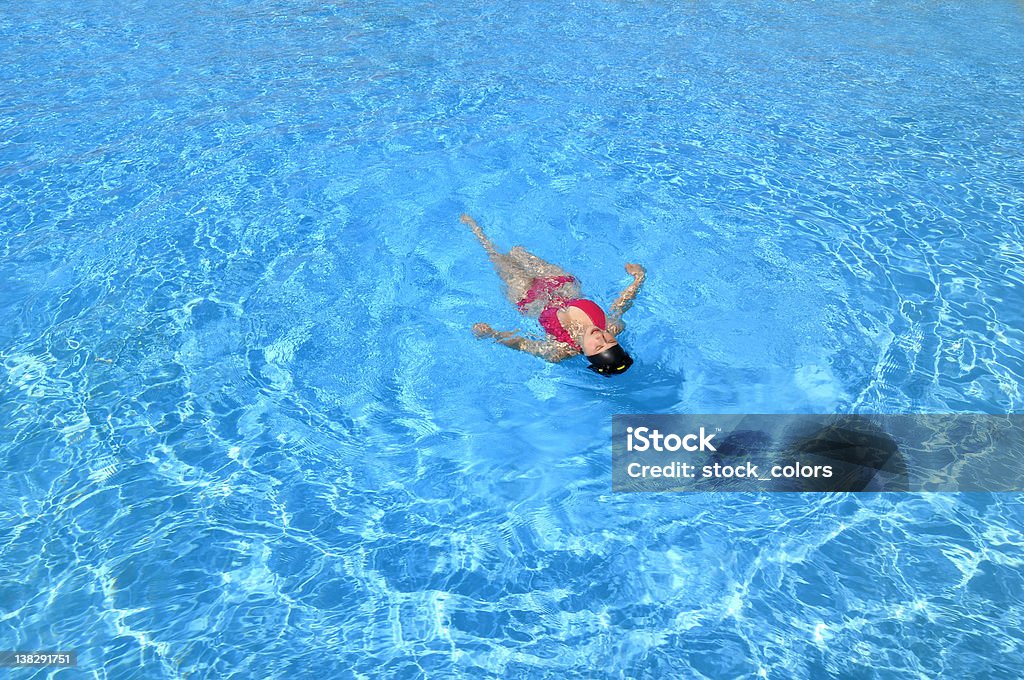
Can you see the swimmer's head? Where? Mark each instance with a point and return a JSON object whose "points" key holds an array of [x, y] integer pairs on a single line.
{"points": [[595, 340], [604, 352], [611, 361]]}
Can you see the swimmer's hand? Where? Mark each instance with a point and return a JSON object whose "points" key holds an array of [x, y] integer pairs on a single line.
{"points": [[483, 330], [636, 270], [626, 297], [467, 220]]}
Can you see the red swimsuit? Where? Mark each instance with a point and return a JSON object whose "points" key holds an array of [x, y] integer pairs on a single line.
{"points": [[549, 316]]}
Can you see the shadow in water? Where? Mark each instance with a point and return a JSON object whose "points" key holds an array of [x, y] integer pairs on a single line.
{"points": [[860, 455]]}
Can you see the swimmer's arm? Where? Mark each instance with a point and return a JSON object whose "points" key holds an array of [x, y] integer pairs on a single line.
{"points": [[626, 297], [545, 349]]}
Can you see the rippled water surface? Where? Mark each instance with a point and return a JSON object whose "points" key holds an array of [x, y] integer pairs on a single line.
{"points": [[247, 433]]}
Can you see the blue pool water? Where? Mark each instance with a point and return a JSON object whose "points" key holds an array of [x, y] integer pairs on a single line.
{"points": [[246, 432]]}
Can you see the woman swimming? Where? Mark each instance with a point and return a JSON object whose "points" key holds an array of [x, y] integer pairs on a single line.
{"points": [[547, 293]]}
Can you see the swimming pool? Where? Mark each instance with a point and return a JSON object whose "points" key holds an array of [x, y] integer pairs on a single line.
{"points": [[247, 431]]}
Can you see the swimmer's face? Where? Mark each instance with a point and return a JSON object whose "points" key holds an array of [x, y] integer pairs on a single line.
{"points": [[596, 341]]}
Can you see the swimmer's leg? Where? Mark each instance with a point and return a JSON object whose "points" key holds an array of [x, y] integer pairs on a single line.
{"points": [[488, 245], [533, 264], [517, 279]]}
